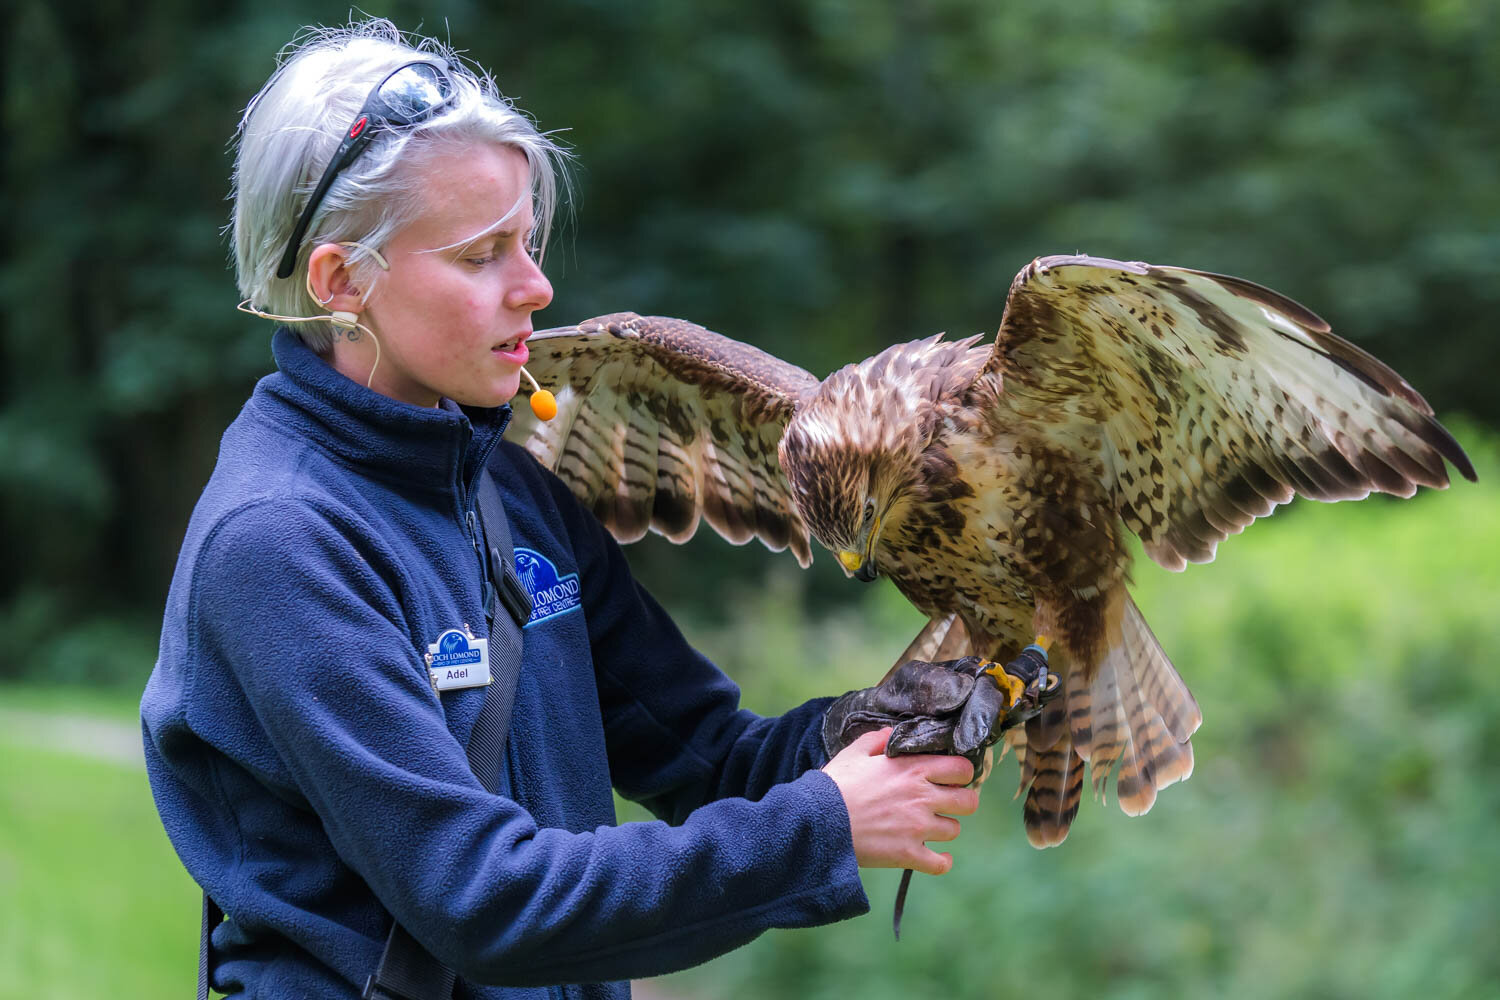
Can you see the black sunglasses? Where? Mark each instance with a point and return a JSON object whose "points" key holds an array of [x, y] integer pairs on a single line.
{"points": [[410, 94]]}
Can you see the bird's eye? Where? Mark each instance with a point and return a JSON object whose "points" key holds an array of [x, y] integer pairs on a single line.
{"points": [[869, 509]]}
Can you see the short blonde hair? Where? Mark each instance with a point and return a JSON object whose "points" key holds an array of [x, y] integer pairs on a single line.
{"points": [[289, 133]]}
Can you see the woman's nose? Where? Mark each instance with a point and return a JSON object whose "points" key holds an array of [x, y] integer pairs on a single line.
{"points": [[531, 291]]}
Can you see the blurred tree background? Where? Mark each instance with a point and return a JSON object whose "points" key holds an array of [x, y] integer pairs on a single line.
{"points": [[822, 178]]}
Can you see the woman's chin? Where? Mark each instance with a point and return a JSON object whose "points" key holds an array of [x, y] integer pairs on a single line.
{"points": [[506, 391], [490, 396]]}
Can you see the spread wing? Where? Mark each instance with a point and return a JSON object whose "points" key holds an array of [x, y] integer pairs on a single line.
{"points": [[1211, 398], [661, 423]]}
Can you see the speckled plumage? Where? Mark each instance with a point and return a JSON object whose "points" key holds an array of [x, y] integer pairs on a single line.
{"points": [[995, 484]]}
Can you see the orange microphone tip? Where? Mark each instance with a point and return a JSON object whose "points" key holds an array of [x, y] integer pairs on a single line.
{"points": [[543, 404]]}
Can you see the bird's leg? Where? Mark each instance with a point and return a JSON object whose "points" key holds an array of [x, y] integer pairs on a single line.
{"points": [[1015, 692], [1027, 673], [1011, 686]]}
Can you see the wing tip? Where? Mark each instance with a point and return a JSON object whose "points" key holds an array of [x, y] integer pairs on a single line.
{"points": [[1447, 445]]}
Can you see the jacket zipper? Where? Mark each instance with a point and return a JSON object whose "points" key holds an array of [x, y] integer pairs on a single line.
{"points": [[468, 498]]}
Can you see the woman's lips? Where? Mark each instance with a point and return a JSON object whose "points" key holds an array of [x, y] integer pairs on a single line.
{"points": [[516, 355]]}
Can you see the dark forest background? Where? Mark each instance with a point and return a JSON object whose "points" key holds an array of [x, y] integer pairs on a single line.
{"points": [[817, 177]]}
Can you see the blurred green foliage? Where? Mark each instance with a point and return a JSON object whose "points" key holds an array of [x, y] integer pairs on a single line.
{"points": [[817, 177]]}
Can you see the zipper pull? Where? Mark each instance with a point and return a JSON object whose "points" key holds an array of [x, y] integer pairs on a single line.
{"points": [[473, 522]]}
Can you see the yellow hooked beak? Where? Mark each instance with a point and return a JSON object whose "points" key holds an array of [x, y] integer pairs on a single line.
{"points": [[861, 565]]}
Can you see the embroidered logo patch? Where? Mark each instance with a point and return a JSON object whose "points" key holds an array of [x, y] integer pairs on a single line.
{"points": [[550, 595]]}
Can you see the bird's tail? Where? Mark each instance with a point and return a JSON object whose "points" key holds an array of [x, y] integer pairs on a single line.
{"points": [[1130, 708], [1055, 774], [1136, 711]]}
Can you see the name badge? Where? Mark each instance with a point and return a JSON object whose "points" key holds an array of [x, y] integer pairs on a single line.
{"points": [[458, 660]]}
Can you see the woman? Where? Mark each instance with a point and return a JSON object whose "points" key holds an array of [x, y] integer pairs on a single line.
{"points": [[390, 207]]}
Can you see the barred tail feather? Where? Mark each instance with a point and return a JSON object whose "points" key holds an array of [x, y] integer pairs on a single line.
{"points": [[1078, 695], [1142, 714], [1056, 791], [1111, 731], [1160, 684]]}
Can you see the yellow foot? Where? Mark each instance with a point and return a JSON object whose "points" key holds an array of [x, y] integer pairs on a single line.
{"points": [[1012, 687]]}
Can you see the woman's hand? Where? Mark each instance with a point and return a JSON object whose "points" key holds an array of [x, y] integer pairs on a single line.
{"points": [[896, 804]]}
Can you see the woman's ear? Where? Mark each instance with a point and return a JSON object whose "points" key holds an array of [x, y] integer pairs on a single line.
{"points": [[329, 280]]}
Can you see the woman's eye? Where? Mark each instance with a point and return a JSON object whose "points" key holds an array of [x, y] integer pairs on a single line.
{"points": [[479, 261]]}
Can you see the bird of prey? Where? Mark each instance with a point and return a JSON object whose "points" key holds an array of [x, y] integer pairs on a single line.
{"points": [[995, 483]]}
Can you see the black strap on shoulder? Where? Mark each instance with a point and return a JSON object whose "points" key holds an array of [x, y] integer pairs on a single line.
{"points": [[212, 916], [487, 740], [406, 970]]}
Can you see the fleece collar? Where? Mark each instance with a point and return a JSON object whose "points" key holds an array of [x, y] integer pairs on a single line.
{"points": [[428, 448]]}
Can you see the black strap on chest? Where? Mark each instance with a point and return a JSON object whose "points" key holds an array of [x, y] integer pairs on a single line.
{"points": [[406, 970], [212, 917]]}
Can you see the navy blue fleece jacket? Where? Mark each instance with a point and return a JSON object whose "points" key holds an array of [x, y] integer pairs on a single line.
{"points": [[315, 784]]}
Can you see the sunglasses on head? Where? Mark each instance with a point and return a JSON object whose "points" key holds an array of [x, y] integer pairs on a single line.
{"points": [[409, 94]]}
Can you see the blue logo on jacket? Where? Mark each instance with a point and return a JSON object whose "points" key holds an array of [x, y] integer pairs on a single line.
{"points": [[551, 595], [452, 650]]}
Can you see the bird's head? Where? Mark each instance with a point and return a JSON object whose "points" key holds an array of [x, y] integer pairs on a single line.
{"points": [[849, 520], [847, 508], [851, 455]]}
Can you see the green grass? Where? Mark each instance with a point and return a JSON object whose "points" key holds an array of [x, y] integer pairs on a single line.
{"points": [[95, 703], [95, 901]]}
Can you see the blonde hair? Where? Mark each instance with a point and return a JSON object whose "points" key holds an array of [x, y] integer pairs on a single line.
{"points": [[290, 130]]}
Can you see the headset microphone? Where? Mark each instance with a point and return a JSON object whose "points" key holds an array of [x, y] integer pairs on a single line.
{"points": [[543, 403]]}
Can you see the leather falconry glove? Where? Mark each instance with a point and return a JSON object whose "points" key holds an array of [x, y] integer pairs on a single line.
{"points": [[956, 707]]}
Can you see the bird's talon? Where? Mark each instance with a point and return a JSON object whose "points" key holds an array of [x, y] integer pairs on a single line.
{"points": [[1013, 687]]}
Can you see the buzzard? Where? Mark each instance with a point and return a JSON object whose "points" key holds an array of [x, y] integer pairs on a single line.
{"points": [[995, 483]]}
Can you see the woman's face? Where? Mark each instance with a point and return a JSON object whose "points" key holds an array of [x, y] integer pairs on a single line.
{"points": [[454, 322]]}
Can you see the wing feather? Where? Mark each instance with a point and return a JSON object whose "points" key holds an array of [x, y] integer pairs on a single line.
{"points": [[638, 439], [676, 510], [1218, 399], [662, 424]]}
